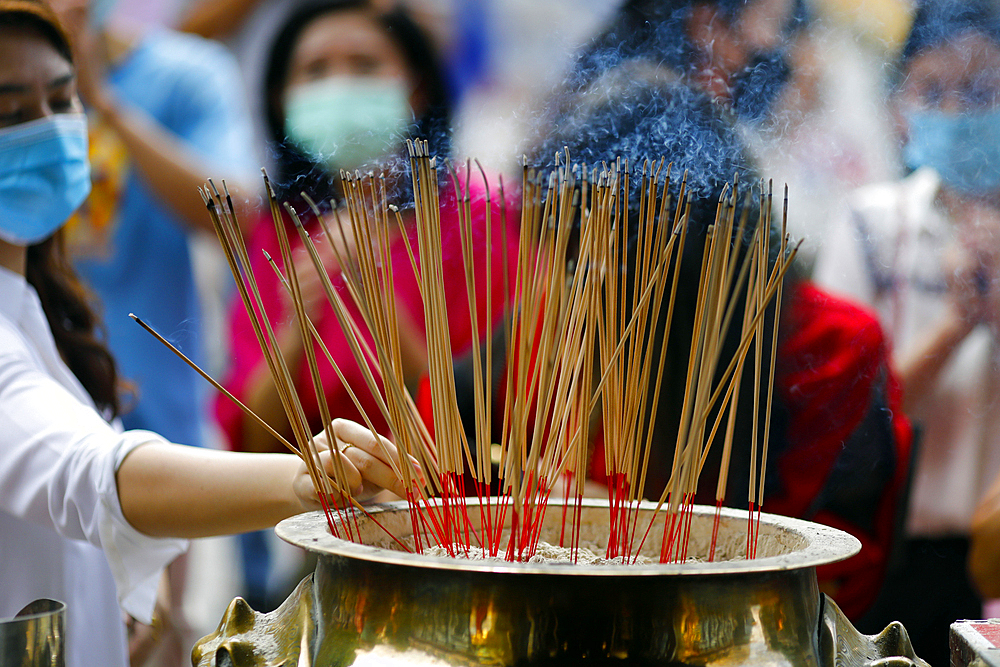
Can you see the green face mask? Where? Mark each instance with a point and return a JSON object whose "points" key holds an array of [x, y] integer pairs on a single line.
{"points": [[348, 122]]}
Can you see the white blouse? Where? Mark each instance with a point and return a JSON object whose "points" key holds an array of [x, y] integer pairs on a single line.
{"points": [[887, 250], [62, 532]]}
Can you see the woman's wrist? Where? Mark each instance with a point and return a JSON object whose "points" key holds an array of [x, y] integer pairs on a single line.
{"points": [[170, 490]]}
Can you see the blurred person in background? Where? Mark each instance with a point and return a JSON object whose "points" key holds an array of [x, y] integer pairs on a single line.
{"points": [[735, 51], [833, 364], [772, 63], [242, 25], [923, 251], [347, 83], [165, 111], [248, 28], [829, 132], [839, 440], [90, 513]]}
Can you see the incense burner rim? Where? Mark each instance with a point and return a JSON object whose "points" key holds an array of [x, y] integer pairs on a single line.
{"points": [[823, 545]]}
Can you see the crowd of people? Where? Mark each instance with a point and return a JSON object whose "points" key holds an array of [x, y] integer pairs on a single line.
{"points": [[888, 363]]}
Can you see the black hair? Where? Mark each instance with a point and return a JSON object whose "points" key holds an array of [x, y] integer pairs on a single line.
{"points": [[656, 31], [640, 111], [75, 327], [298, 172], [938, 22]]}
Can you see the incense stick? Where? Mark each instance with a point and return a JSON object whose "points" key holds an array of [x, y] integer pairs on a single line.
{"points": [[588, 306]]}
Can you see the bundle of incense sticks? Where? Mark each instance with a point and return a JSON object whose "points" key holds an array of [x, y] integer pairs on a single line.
{"points": [[584, 337]]}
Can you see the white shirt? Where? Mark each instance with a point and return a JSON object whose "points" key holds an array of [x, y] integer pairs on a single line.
{"points": [[888, 251], [62, 532]]}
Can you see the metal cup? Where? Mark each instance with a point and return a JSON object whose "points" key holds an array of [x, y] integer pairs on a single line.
{"points": [[35, 637]]}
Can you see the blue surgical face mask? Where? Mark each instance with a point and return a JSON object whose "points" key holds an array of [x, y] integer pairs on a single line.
{"points": [[348, 122], [964, 149], [44, 176]]}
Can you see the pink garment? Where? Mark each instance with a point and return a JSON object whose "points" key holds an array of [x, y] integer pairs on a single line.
{"points": [[247, 355]]}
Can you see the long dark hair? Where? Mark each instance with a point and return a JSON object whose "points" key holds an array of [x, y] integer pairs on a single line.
{"points": [[74, 325], [65, 302], [296, 171]]}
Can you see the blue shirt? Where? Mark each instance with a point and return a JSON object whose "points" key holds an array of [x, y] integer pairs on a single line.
{"points": [[191, 86]]}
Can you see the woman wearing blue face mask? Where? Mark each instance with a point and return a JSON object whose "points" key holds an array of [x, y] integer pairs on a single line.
{"points": [[925, 251], [90, 514]]}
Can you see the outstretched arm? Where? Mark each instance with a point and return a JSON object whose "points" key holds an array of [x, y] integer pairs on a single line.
{"points": [[170, 490], [175, 491], [172, 170]]}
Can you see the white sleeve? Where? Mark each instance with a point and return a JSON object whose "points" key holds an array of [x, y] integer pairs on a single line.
{"points": [[58, 460]]}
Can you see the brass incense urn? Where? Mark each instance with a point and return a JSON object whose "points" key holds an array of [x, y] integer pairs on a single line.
{"points": [[371, 603]]}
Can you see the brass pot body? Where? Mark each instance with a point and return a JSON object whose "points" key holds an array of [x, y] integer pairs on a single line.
{"points": [[372, 604]]}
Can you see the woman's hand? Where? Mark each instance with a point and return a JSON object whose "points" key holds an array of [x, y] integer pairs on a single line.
{"points": [[971, 267], [310, 282], [370, 463]]}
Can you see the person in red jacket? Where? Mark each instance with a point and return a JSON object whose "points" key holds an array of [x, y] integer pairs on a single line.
{"points": [[839, 443]]}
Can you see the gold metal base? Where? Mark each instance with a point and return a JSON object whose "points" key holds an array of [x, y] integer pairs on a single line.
{"points": [[367, 605]]}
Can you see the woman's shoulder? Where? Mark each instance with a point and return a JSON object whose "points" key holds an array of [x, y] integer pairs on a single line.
{"points": [[832, 354], [20, 360], [811, 301]]}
